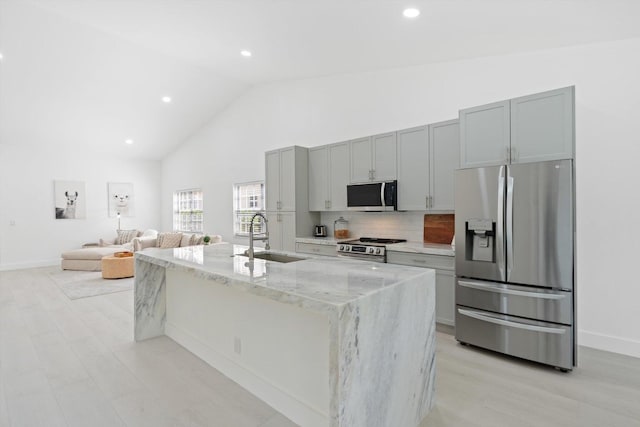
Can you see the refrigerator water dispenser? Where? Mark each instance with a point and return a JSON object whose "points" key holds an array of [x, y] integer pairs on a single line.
{"points": [[480, 236]]}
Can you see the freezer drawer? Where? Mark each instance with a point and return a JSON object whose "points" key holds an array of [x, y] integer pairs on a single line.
{"points": [[524, 301], [542, 342]]}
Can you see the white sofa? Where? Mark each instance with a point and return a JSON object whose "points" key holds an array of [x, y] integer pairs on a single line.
{"points": [[90, 258]]}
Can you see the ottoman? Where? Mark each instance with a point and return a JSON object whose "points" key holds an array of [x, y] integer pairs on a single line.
{"points": [[117, 267]]}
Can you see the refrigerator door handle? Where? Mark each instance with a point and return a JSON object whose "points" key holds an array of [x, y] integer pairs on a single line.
{"points": [[500, 224], [516, 292], [485, 318], [509, 224]]}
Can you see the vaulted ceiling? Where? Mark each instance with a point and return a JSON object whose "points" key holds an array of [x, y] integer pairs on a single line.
{"points": [[90, 74]]}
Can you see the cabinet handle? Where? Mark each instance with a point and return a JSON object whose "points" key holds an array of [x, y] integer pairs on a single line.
{"points": [[426, 201], [328, 204], [507, 151], [373, 173], [421, 261], [514, 154], [431, 201]]}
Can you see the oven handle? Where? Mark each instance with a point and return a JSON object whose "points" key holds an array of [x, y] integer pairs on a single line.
{"points": [[372, 258], [501, 322], [382, 194]]}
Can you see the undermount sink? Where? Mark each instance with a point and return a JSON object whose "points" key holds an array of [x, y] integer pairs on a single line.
{"points": [[274, 257]]}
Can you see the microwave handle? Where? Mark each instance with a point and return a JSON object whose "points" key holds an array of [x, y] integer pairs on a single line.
{"points": [[382, 195]]}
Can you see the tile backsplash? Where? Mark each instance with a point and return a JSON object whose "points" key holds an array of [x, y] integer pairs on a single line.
{"points": [[400, 225]]}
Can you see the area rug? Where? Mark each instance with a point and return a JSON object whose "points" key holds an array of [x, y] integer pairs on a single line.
{"points": [[83, 284]]}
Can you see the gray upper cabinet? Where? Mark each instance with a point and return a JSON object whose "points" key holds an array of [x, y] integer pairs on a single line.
{"points": [[318, 178], [444, 148], [328, 177], [373, 158], [542, 126], [361, 159], [413, 169], [338, 176], [484, 135], [528, 129], [280, 179], [427, 159]]}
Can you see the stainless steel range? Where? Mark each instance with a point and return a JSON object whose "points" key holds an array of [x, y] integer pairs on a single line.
{"points": [[366, 248]]}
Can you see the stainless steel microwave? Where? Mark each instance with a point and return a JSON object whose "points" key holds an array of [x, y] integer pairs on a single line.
{"points": [[376, 196]]}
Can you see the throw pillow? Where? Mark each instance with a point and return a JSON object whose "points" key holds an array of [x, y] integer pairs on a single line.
{"points": [[196, 240], [186, 240], [125, 236], [169, 240]]}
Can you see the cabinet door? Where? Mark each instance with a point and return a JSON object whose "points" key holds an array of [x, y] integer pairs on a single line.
{"points": [[444, 146], [318, 178], [445, 297], [275, 230], [384, 157], [272, 180], [485, 135], [361, 160], [413, 169], [542, 126], [288, 228], [338, 176], [288, 179]]}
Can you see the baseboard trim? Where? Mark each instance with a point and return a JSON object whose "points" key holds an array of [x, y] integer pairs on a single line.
{"points": [[609, 343], [26, 265], [296, 410]]}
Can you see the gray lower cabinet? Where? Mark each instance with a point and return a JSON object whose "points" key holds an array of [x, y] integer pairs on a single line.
{"points": [[316, 249], [445, 280]]}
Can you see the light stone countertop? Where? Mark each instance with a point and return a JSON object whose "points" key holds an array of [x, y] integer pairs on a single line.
{"points": [[411, 247], [323, 282], [329, 241], [423, 248]]}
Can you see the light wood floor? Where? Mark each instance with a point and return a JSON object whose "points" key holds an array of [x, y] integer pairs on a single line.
{"points": [[74, 363]]}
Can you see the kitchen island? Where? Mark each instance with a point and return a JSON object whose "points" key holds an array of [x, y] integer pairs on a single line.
{"points": [[325, 341]]}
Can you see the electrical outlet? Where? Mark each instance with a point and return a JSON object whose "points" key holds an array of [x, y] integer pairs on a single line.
{"points": [[237, 345]]}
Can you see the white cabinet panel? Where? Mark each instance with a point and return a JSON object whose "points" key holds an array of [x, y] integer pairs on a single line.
{"points": [[287, 179]]}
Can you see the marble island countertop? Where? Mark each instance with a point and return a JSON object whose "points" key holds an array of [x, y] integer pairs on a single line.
{"points": [[313, 281], [338, 323]]}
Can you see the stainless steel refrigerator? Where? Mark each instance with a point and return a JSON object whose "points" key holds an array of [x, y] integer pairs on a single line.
{"points": [[515, 260]]}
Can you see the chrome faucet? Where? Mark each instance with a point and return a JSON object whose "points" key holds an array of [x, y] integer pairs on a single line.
{"points": [[265, 236]]}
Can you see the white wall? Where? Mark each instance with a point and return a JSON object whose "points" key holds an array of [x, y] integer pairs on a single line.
{"points": [[26, 191], [317, 111]]}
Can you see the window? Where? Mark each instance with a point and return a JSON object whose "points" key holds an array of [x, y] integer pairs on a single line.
{"points": [[187, 211], [248, 198]]}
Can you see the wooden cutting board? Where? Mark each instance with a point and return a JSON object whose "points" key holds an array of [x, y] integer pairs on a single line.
{"points": [[439, 228]]}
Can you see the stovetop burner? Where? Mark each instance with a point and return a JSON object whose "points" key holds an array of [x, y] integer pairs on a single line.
{"points": [[380, 241]]}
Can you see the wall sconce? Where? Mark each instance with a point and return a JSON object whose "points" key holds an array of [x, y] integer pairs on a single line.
{"points": [[118, 221]]}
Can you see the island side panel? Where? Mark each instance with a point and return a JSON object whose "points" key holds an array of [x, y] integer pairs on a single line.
{"points": [[150, 309], [387, 357]]}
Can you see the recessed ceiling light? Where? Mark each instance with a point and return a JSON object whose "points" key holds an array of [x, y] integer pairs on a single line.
{"points": [[245, 53], [166, 99], [129, 141], [411, 12], [1, 57]]}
